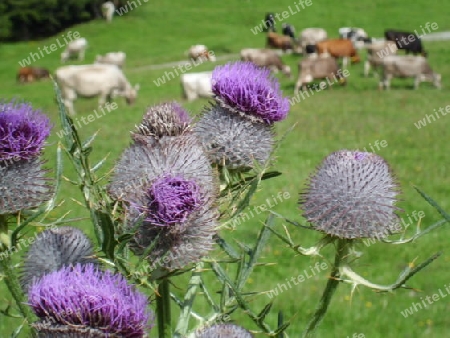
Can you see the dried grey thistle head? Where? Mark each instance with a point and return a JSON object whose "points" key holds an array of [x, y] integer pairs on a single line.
{"points": [[233, 141], [172, 192], [53, 249], [352, 195]]}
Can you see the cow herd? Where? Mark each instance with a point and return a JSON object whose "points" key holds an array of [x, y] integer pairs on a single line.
{"points": [[322, 54], [323, 58], [326, 58]]}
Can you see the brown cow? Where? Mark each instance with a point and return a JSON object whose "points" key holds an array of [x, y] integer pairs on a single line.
{"points": [[282, 42], [29, 74], [339, 48]]}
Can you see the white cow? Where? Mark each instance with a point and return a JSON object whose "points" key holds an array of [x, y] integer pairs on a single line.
{"points": [[310, 36], [266, 58], [197, 85], [74, 48], [104, 81], [376, 52], [357, 35], [200, 52], [108, 9], [407, 66], [113, 58]]}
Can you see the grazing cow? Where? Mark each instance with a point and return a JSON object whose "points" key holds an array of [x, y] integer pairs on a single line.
{"points": [[407, 66], [74, 48], [310, 51], [29, 74], [197, 85], [339, 48], [201, 52], [376, 52], [104, 81], [108, 9], [265, 58], [288, 30], [318, 68], [282, 42], [269, 23], [410, 42], [358, 36], [117, 58], [311, 36]]}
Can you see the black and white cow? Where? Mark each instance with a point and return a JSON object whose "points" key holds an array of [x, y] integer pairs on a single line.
{"points": [[409, 42], [269, 22], [288, 30], [358, 36]]}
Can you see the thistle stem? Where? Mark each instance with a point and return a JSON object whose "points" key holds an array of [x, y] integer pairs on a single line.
{"points": [[330, 288], [163, 310], [10, 278]]}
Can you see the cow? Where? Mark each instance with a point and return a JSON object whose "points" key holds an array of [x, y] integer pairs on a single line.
{"points": [[311, 51], [105, 81], [310, 69], [288, 30], [201, 52], [403, 66], [339, 48], [74, 48], [282, 42], [376, 52], [113, 58], [311, 36], [266, 58], [269, 23], [409, 42], [358, 36], [108, 9], [29, 74], [197, 85]]}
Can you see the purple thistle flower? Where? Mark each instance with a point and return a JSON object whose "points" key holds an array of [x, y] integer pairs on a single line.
{"points": [[84, 298], [23, 131], [249, 90], [233, 141], [167, 119], [23, 185], [171, 199], [53, 249], [170, 183], [224, 331], [352, 195]]}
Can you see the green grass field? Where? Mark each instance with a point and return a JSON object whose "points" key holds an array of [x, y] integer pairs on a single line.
{"points": [[355, 116]]}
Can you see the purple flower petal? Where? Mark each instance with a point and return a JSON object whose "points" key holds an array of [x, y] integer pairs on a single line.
{"points": [[171, 199], [87, 297], [251, 90], [23, 131]]}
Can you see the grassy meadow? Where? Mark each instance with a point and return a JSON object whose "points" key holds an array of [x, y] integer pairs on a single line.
{"points": [[351, 117]]}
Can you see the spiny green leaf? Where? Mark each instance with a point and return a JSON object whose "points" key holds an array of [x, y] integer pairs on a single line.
{"points": [[433, 203]]}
